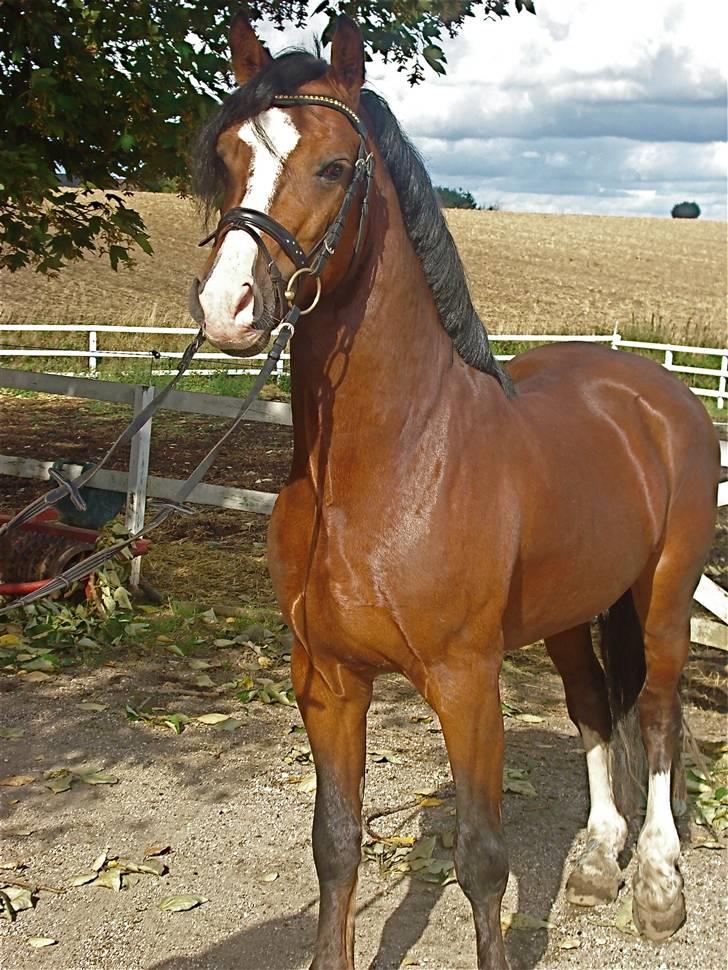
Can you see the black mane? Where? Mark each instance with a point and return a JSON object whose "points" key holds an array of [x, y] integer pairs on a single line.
{"points": [[421, 211]]}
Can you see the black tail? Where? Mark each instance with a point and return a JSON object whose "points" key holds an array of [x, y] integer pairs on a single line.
{"points": [[623, 656]]}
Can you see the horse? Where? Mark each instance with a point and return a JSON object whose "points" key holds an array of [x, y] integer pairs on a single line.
{"points": [[442, 510]]}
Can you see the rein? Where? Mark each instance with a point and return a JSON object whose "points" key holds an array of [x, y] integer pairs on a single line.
{"points": [[253, 222]]}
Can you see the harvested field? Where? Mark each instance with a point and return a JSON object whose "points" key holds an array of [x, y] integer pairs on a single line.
{"points": [[529, 273]]}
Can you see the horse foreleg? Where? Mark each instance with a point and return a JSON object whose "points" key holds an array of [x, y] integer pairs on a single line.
{"points": [[334, 712], [466, 698], [596, 877]]}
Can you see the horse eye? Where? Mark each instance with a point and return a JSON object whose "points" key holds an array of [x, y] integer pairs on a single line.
{"points": [[332, 172]]}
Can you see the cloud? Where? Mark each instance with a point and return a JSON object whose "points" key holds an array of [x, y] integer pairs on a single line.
{"points": [[594, 107]]}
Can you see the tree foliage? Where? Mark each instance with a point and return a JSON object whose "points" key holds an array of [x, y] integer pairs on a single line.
{"points": [[685, 210], [455, 198], [98, 98]]}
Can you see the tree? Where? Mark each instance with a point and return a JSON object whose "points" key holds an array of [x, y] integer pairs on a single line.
{"points": [[685, 210], [97, 98], [455, 198]]}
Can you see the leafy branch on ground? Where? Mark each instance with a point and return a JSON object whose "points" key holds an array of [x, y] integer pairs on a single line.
{"points": [[707, 786]]}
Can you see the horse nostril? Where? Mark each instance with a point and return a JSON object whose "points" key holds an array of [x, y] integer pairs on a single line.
{"points": [[245, 300]]}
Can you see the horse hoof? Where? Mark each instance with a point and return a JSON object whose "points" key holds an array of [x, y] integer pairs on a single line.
{"points": [[659, 925], [596, 879]]}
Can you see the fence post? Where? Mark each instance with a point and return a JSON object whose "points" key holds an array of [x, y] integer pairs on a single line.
{"points": [[616, 337], [722, 380], [668, 360], [92, 346], [136, 496]]}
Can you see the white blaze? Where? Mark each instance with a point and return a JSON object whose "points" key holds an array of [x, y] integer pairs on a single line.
{"points": [[230, 280]]}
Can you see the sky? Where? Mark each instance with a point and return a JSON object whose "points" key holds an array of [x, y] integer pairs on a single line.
{"points": [[614, 107]]}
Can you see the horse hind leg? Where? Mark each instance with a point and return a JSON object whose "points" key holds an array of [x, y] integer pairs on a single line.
{"points": [[664, 604], [596, 877]]}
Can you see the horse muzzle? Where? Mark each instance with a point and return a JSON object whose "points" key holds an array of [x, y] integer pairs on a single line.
{"points": [[243, 331]]}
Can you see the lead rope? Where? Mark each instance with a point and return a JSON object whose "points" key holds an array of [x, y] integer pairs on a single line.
{"points": [[89, 565]]}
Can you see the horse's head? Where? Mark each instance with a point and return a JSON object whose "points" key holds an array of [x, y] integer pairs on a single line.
{"points": [[298, 162]]}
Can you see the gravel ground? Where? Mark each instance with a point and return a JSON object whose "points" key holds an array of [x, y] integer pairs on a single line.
{"points": [[225, 804]]}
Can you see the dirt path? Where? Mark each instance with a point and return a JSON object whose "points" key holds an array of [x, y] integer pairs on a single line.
{"points": [[227, 806]]}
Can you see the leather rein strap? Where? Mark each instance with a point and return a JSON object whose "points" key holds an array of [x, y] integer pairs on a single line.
{"points": [[253, 222]]}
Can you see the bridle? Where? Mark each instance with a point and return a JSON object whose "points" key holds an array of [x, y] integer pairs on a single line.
{"points": [[255, 222]]}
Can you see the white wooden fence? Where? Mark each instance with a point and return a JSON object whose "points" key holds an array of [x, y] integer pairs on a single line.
{"points": [[93, 353], [138, 484]]}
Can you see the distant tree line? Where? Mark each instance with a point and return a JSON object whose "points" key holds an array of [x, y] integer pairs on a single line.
{"points": [[460, 199]]}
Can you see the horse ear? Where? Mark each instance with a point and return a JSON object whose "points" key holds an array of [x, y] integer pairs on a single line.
{"points": [[347, 55], [249, 55]]}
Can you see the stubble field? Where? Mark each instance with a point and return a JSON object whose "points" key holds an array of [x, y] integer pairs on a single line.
{"points": [[529, 273]]}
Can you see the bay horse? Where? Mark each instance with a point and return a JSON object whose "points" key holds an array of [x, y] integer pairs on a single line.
{"points": [[441, 509]]}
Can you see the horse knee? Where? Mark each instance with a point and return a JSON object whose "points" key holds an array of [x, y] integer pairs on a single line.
{"points": [[481, 860]]}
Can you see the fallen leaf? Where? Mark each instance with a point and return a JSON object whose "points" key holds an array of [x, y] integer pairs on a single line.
{"points": [[108, 879], [569, 943], [83, 878], [97, 778], [181, 903], [100, 861], [380, 757], [20, 897], [522, 921], [88, 706], [152, 850], [10, 640], [431, 802], [153, 867], [39, 941], [12, 864], [623, 917], [12, 733], [203, 680], [447, 839], [307, 783], [16, 781], [36, 677], [269, 877], [195, 664], [423, 849], [212, 718], [229, 724], [58, 780]]}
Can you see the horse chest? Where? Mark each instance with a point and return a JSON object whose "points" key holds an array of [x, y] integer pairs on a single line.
{"points": [[356, 589]]}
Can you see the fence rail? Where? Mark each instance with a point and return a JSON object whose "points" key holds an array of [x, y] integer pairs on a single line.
{"points": [[94, 354]]}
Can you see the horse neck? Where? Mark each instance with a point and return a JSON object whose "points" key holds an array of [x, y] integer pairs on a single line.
{"points": [[375, 352]]}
